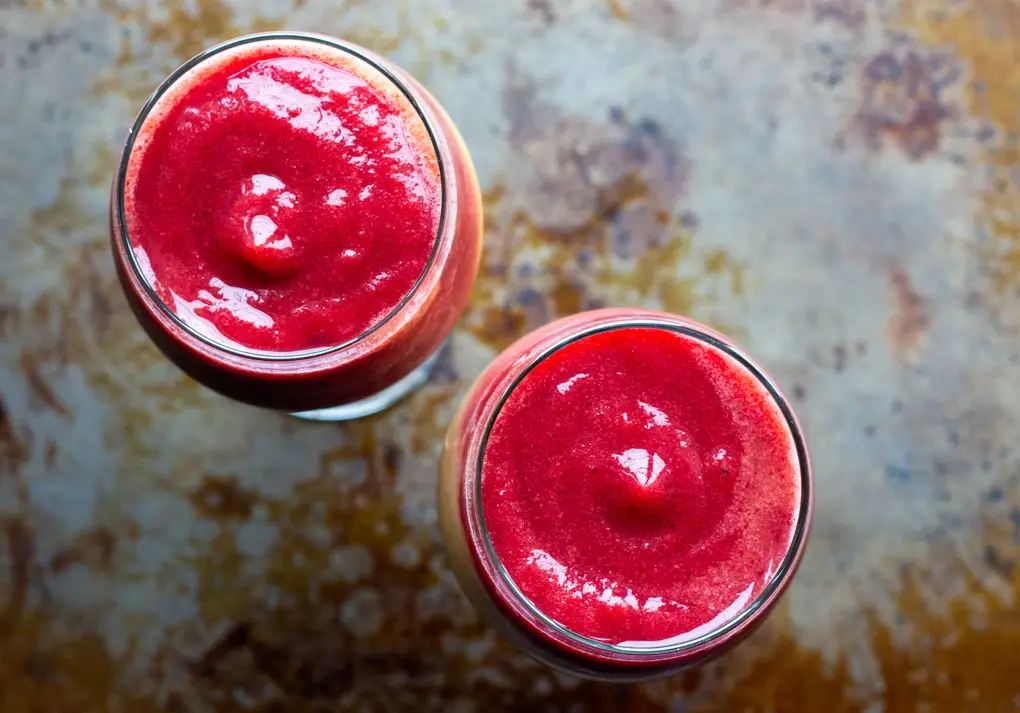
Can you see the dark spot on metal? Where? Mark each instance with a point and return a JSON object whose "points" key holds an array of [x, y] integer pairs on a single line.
{"points": [[585, 257], [235, 638], [392, 456], [903, 101], [50, 453], [14, 445], [908, 326], [40, 388], [897, 473], [849, 13], [21, 550], [869, 430], [223, 497], [544, 9], [92, 547], [839, 358], [798, 392], [1002, 566]]}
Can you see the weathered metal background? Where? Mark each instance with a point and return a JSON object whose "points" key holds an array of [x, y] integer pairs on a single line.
{"points": [[835, 182]]}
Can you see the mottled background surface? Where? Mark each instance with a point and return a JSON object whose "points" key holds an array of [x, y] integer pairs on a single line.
{"points": [[835, 182]]}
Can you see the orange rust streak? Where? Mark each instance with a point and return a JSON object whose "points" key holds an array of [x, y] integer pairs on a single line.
{"points": [[987, 36]]}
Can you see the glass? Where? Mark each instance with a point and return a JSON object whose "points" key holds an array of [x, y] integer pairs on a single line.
{"points": [[484, 578], [387, 361]]}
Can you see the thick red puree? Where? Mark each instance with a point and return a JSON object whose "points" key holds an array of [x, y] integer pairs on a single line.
{"points": [[283, 197], [640, 486]]}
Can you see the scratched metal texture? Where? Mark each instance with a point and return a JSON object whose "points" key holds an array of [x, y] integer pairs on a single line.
{"points": [[834, 182]]}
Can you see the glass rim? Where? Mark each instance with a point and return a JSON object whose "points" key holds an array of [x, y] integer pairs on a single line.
{"points": [[782, 573], [377, 64]]}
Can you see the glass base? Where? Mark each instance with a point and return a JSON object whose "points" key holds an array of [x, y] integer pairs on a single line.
{"points": [[381, 400]]}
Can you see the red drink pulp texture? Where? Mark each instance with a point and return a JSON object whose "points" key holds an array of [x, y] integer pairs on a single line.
{"points": [[286, 195], [640, 486], [283, 202]]}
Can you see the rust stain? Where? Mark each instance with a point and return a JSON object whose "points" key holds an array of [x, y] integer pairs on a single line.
{"points": [[15, 445], [596, 218], [41, 388], [45, 668], [719, 263], [618, 10], [986, 36], [87, 291], [911, 319], [430, 427], [778, 671], [959, 657], [186, 29], [499, 326], [223, 498], [50, 454], [658, 18], [96, 548], [9, 317], [952, 664], [903, 102], [849, 13], [82, 319], [21, 550], [544, 10]]}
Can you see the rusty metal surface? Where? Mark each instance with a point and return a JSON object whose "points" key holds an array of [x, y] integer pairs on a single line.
{"points": [[835, 182]]}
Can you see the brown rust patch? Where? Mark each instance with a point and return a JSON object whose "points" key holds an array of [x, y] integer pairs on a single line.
{"points": [[958, 657], [595, 217], [852, 14], [220, 497], [425, 409], [777, 672], [660, 18], [77, 314], [21, 551], [9, 317], [499, 326], [95, 548], [986, 35], [15, 445], [903, 100], [46, 668], [544, 10], [909, 324], [618, 10], [40, 387], [185, 29]]}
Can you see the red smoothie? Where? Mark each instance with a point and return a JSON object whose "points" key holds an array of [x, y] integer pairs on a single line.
{"points": [[624, 493], [297, 224], [640, 487], [283, 199]]}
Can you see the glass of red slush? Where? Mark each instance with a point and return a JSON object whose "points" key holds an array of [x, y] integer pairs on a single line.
{"points": [[297, 224], [624, 493]]}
